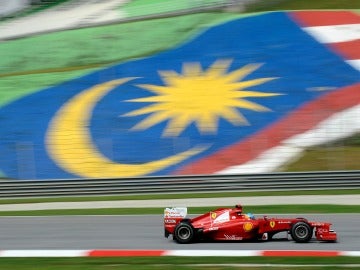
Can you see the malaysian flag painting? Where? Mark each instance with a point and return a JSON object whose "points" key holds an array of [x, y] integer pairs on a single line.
{"points": [[244, 96]]}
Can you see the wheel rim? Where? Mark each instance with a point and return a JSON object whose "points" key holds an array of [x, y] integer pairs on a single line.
{"points": [[184, 233], [301, 232]]}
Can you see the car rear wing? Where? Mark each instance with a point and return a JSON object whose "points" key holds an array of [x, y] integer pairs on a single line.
{"points": [[172, 216], [175, 212]]}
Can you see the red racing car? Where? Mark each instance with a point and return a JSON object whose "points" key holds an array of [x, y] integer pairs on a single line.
{"points": [[232, 224]]}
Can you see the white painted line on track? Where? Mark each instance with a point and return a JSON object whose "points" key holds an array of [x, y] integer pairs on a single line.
{"points": [[179, 253], [211, 253], [43, 253]]}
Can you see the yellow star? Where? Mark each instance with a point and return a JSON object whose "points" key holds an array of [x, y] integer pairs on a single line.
{"points": [[200, 97]]}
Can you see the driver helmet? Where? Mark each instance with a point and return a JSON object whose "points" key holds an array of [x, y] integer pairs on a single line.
{"points": [[250, 216]]}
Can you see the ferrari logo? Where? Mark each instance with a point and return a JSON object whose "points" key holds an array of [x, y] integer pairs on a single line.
{"points": [[213, 215], [247, 226], [272, 224]]}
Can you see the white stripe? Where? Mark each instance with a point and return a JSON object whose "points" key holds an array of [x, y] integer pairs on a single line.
{"points": [[182, 253], [354, 63], [350, 253], [334, 33], [211, 253], [267, 161], [338, 126], [44, 253]]}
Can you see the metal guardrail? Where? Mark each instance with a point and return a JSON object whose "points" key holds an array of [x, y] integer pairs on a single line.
{"points": [[181, 184]]}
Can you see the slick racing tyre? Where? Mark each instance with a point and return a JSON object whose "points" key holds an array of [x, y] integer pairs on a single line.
{"points": [[184, 233], [301, 232]]}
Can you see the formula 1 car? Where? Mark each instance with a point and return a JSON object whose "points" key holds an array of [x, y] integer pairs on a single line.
{"points": [[226, 224]]}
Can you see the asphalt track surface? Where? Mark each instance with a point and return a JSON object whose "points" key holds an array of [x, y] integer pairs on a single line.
{"points": [[146, 232]]}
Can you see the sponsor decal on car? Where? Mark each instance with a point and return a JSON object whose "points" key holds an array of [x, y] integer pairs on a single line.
{"points": [[175, 212], [322, 230], [232, 237], [283, 222], [170, 221], [317, 224], [224, 217], [247, 226]]}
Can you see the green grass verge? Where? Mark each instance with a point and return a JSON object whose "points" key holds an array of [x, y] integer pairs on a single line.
{"points": [[182, 196], [33, 63], [178, 263], [262, 209], [339, 155], [325, 158], [137, 8]]}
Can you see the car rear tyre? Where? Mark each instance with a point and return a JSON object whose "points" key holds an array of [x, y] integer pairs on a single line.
{"points": [[184, 233], [301, 232]]}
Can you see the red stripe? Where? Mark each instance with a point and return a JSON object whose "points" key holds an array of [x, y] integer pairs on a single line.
{"points": [[299, 253], [323, 18], [126, 253], [350, 50], [297, 122]]}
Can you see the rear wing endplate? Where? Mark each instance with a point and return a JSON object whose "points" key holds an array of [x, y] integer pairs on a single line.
{"points": [[175, 212]]}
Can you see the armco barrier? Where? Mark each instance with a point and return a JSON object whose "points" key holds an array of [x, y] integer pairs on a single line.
{"points": [[181, 253], [181, 184]]}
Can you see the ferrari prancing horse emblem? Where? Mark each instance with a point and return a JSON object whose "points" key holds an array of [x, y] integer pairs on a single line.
{"points": [[272, 224]]}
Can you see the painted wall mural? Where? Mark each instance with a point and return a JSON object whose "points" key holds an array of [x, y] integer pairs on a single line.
{"points": [[217, 101]]}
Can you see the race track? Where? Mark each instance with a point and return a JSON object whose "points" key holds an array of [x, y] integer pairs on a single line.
{"points": [[146, 232]]}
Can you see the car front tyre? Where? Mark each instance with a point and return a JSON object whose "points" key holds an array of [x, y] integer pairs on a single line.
{"points": [[301, 232]]}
